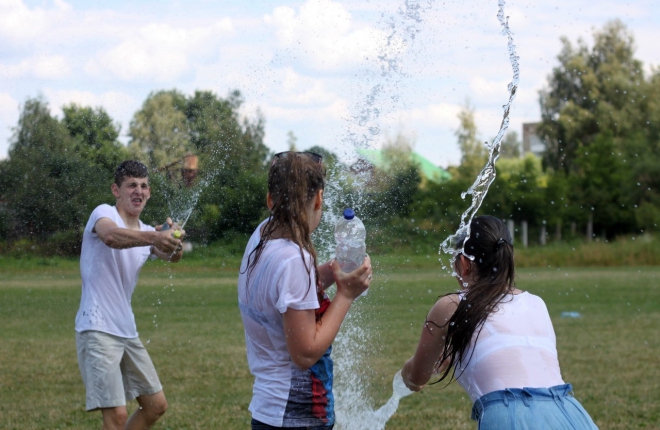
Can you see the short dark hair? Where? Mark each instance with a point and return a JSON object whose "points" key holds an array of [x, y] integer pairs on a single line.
{"points": [[130, 169]]}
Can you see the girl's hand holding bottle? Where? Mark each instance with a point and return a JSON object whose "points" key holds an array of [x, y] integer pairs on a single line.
{"points": [[352, 284]]}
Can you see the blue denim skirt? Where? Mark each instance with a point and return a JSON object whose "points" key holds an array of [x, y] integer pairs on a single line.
{"points": [[552, 408]]}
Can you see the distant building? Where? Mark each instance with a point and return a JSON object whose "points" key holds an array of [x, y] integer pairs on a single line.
{"points": [[427, 170], [531, 142]]}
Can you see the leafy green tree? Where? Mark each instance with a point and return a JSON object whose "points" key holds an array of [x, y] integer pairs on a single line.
{"points": [[49, 186], [159, 131], [642, 151], [599, 97], [96, 135], [291, 141], [437, 207], [392, 186], [597, 188], [473, 152], [556, 202], [330, 159], [518, 192], [510, 146], [233, 158], [591, 91]]}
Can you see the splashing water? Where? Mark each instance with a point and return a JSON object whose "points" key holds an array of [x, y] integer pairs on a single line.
{"points": [[353, 405], [454, 244], [181, 202]]}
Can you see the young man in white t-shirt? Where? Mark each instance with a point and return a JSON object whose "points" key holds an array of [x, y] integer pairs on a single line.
{"points": [[114, 364]]}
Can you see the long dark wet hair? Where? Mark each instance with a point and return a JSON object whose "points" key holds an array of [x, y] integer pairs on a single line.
{"points": [[294, 179], [492, 248]]}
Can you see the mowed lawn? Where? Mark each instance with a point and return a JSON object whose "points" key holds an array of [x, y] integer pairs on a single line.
{"points": [[188, 318]]}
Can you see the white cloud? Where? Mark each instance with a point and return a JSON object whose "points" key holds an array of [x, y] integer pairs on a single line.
{"points": [[335, 111], [22, 26], [292, 88], [438, 115], [323, 35], [18, 23], [488, 91], [110, 100], [8, 109], [158, 52], [44, 67], [8, 119]]}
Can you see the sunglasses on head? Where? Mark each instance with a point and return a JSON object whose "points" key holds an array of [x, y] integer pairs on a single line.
{"points": [[317, 158]]}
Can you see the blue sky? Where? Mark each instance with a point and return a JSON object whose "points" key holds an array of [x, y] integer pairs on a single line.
{"points": [[309, 67]]}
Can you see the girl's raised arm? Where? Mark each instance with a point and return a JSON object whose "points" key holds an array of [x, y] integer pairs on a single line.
{"points": [[418, 370], [308, 339]]}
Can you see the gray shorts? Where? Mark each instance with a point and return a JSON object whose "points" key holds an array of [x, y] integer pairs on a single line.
{"points": [[114, 369]]}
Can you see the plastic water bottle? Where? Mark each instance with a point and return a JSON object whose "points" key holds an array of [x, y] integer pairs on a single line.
{"points": [[350, 236]]}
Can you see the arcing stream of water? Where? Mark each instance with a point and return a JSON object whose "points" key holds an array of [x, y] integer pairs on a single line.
{"points": [[353, 346], [479, 188], [181, 202], [352, 403]]}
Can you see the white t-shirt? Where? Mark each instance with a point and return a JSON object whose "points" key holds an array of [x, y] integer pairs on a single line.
{"points": [[109, 277], [516, 349], [283, 394]]}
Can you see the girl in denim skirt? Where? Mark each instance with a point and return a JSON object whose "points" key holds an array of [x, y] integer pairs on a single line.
{"points": [[497, 341]]}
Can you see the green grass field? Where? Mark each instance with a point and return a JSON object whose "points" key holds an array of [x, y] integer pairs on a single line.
{"points": [[188, 318]]}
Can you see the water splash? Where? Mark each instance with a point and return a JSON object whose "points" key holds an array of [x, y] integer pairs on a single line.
{"points": [[353, 405], [454, 244], [399, 391], [181, 201]]}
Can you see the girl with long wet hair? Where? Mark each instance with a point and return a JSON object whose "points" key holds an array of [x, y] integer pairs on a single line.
{"points": [[290, 323], [497, 341]]}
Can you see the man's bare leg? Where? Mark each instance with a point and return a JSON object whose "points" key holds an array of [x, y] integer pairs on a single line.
{"points": [[152, 407], [114, 418]]}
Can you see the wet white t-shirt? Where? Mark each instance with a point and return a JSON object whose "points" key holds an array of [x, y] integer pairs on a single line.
{"points": [[109, 277], [516, 349], [284, 395]]}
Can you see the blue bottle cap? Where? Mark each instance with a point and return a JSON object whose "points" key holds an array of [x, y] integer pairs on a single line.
{"points": [[349, 213]]}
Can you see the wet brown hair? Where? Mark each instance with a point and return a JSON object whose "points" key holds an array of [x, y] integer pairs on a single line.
{"points": [[491, 246], [294, 179], [130, 169]]}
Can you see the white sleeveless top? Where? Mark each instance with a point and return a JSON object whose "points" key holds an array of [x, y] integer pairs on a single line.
{"points": [[516, 349]]}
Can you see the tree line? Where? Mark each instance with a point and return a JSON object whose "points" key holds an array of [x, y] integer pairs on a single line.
{"points": [[599, 175]]}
